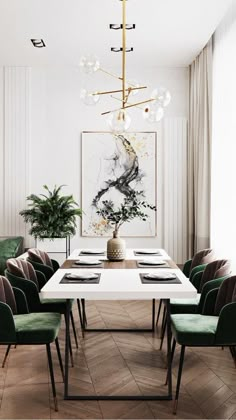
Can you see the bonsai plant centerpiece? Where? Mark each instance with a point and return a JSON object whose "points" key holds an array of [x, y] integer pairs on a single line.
{"points": [[130, 209], [51, 215]]}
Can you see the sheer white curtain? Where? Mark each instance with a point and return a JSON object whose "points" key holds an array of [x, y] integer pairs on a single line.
{"points": [[199, 151], [223, 208]]}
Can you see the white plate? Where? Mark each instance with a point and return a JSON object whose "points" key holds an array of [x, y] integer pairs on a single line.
{"points": [[92, 251], [152, 262], [88, 262], [160, 276], [84, 276]]}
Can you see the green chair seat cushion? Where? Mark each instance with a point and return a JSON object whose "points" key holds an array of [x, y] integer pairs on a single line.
{"points": [[194, 329], [37, 328], [184, 306], [55, 305]]}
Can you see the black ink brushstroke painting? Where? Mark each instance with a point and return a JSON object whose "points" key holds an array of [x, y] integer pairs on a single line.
{"points": [[115, 167]]}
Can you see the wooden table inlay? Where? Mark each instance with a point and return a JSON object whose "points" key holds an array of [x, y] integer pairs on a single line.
{"points": [[125, 264]]}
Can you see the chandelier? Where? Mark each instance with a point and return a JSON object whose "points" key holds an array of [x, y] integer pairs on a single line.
{"points": [[119, 119]]}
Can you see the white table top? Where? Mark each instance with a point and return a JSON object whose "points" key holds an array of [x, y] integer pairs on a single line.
{"points": [[129, 254], [117, 284]]}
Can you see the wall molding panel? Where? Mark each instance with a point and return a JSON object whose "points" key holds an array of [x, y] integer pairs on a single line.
{"points": [[174, 190], [15, 147]]}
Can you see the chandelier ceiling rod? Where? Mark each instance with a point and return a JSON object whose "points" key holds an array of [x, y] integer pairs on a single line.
{"points": [[123, 53]]}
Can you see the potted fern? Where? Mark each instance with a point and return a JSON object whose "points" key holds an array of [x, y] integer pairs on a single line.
{"points": [[51, 215]]}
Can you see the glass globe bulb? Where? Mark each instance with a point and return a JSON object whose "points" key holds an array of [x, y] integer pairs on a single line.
{"points": [[119, 121], [133, 84], [89, 64], [153, 114], [162, 96], [89, 98]]}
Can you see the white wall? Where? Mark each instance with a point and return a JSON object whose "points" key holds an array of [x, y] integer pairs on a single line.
{"points": [[58, 117]]}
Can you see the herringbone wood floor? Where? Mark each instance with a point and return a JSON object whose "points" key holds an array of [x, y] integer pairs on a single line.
{"points": [[118, 364]]}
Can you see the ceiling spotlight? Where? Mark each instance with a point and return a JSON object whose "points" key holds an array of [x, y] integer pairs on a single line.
{"points": [[116, 26], [115, 49], [38, 43]]}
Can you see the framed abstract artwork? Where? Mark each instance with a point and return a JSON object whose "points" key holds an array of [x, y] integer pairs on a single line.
{"points": [[114, 166]]}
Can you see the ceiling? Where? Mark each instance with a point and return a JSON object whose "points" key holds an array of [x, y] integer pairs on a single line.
{"points": [[168, 32]]}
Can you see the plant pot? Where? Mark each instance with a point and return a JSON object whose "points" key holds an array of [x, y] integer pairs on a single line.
{"points": [[58, 248], [116, 248]]}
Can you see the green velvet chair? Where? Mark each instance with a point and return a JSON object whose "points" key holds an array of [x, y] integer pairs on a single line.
{"points": [[22, 275], [214, 270], [190, 269], [10, 247], [213, 327], [19, 327], [41, 261], [204, 256], [209, 278]]}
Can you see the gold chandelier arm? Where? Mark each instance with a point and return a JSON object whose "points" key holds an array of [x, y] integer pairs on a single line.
{"points": [[110, 74], [128, 106], [117, 91], [118, 78], [127, 95], [128, 103]]}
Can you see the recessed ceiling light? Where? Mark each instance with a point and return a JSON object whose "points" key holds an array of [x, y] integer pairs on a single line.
{"points": [[38, 43]]}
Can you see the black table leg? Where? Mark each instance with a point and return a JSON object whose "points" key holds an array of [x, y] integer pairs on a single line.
{"points": [[95, 397], [67, 344], [153, 314], [169, 358]]}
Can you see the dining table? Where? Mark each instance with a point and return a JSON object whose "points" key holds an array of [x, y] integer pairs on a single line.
{"points": [[145, 274]]}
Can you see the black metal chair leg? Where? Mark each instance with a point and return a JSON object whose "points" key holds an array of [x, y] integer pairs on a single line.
{"points": [[181, 362], [172, 357], [164, 314], [6, 354], [163, 332], [71, 353], [84, 312], [52, 376], [60, 358], [80, 314], [159, 311], [233, 354], [70, 348], [74, 329]]}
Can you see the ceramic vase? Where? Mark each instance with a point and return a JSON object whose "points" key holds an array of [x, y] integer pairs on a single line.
{"points": [[116, 248]]}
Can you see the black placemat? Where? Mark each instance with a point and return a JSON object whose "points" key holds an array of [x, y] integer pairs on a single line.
{"points": [[138, 254], [148, 281], [64, 280], [88, 254], [166, 265]]}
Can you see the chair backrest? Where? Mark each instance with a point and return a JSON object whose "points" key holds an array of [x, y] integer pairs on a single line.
{"points": [[6, 294], [226, 294], [22, 268], [204, 256], [40, 257], [215, 270]]}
